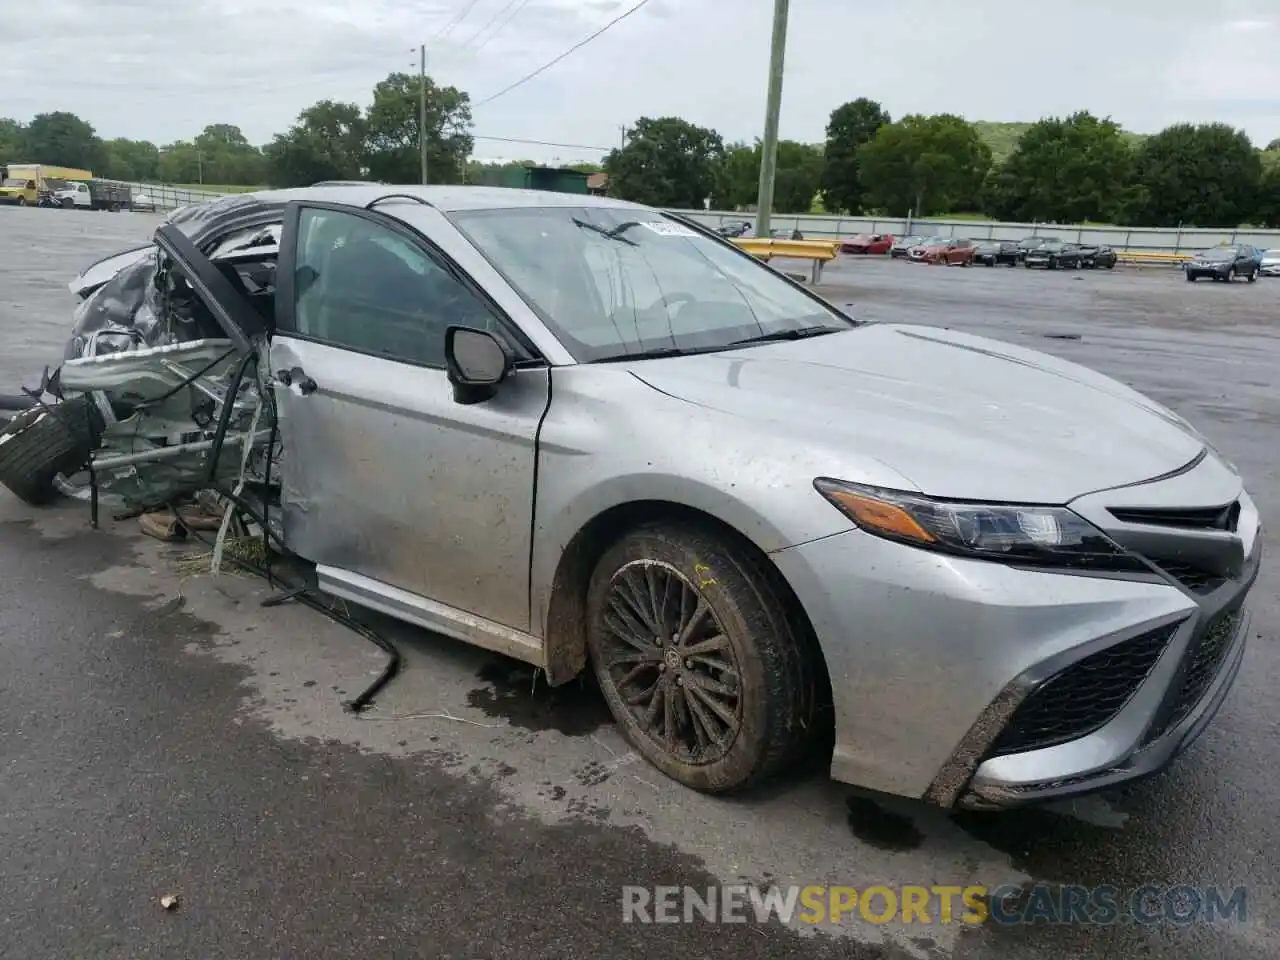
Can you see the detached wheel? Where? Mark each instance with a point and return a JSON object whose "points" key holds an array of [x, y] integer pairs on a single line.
{"points": [[39, 444], [703, 670]]}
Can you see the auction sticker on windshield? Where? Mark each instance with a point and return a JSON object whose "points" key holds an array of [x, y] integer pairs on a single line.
{"points": [[663, 228]]}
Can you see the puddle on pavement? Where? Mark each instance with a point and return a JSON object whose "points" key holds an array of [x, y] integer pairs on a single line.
{"points": [[883, 829], [519, 694], [1047, 844]]}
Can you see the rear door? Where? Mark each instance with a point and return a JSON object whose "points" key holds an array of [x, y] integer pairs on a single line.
{"points": [[385, 475]]}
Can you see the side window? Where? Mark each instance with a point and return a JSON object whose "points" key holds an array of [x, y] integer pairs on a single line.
{"points": [[361, 285]]}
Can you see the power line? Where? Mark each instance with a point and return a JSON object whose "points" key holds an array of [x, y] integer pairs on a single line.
{"points": [[577, 46], [544, 143], [448, 28], [518, 4]]}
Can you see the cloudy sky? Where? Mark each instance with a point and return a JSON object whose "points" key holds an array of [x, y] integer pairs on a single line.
{"points": [[161, 70]]}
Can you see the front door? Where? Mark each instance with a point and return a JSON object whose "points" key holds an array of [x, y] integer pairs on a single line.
{"points": [[384, 475]]}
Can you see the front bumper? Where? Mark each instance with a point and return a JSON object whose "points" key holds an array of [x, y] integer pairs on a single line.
{"points": [[938, 665]]}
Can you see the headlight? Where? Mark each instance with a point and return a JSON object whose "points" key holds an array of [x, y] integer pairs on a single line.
{"points": [[1012, 533]]}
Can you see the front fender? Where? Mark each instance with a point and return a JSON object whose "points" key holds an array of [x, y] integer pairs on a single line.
{"points": [[609, 440]]}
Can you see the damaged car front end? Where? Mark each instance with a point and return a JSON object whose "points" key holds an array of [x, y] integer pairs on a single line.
{"points": [[160, 393]]}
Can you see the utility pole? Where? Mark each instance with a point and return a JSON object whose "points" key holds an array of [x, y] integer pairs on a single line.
{"points": [[769, 145], [422, 108], [623, 142]]}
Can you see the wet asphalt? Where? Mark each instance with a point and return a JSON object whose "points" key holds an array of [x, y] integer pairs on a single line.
{"points": [[165, 734]]}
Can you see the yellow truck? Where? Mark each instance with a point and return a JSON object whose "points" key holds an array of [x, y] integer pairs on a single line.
{"points": [[21, 183]]}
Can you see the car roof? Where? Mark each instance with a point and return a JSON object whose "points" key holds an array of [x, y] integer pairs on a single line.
{"points": [[448, 198]]}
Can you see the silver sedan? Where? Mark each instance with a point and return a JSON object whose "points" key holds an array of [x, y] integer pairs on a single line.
{"points": [[590, 435]]}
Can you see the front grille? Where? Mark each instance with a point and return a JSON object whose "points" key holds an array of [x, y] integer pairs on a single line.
{"points": [[1082, 698], [1204, 661], [1196, 579], [1193, 518]]}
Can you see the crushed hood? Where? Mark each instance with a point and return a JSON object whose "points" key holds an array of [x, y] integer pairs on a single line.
{"points": [[959, 416]]}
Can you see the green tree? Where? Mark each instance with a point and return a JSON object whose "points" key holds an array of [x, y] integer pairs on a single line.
{"points": [[667, 162], [180, 162], [925, 164], [1203, 176], [393, 131], [798, 176], [328, 142], [63, 139], [490, 171], [13, 141], [133, 160], [851, 126], [1269, 198], [1066, 171], [226, 156], [737, 179]]}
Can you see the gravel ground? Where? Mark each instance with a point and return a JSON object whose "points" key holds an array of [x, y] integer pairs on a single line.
{"points": [[165, 734]]}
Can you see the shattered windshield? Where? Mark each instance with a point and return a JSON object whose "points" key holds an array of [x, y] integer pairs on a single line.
{"points": [[613, 282]]}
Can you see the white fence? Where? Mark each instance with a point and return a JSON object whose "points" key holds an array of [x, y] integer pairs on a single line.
{"points": [[165, 196], [1156, 240]]}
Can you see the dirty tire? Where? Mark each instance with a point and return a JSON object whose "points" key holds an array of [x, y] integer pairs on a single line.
{"points": [[773, 698], [38, 444]]}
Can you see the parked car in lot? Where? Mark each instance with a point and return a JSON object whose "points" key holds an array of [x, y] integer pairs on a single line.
{"points": [[994, 252], [1225, 263], [735, 228], [1028, 244], [901, 246], [1095, 255], [868, 243], [1270, 265], [1053, 254], [1007, 579], [951, 250]]}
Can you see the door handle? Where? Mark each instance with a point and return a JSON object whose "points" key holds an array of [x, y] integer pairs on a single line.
{"points": [[296, 375]]}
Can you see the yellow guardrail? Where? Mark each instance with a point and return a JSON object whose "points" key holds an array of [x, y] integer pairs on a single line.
{"points": [[1152, 257], [817, 251]]}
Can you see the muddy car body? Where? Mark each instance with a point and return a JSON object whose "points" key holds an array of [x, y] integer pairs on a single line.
{"points": [[580, 431]]}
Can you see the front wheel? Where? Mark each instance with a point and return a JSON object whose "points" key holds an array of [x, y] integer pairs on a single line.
{"points": [[22, 201], [704, 671], [1191, 278], [40, 443], [1231, 275], [1253, 276]]}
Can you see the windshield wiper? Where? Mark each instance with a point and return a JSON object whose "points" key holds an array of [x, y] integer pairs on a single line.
{"points": [[796, 333], [614, 234], [654, 353]]}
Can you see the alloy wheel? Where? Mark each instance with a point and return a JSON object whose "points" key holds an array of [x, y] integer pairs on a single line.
{"points": [[667, 656]]}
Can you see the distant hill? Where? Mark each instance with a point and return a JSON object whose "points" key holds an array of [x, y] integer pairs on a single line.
{"points": [[1003, 137]]}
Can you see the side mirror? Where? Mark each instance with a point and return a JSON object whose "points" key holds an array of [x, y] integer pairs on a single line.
{"points": [[476, 361]]}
